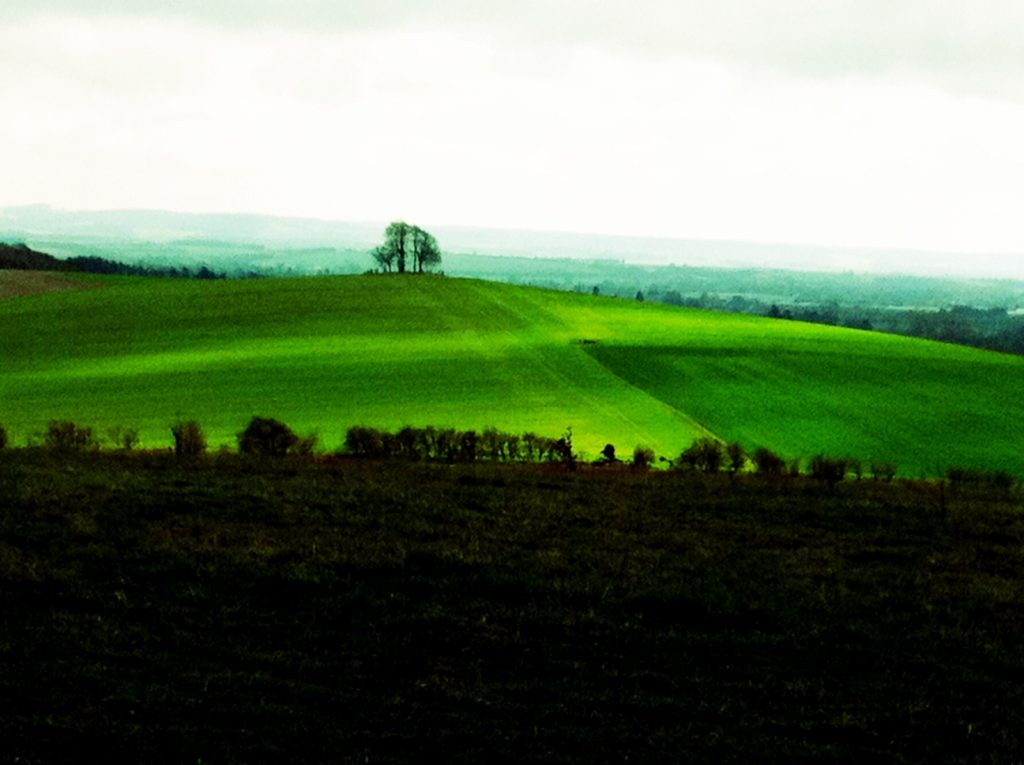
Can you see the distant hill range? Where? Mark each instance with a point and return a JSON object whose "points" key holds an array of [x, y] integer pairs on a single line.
{"points": [[40, 222]]}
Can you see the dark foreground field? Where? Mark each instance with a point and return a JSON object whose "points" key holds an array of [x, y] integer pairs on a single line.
{"points": [[356, 612]]}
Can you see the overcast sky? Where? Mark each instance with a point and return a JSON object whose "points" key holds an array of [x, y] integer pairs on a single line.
{"points": [[892, 123]]}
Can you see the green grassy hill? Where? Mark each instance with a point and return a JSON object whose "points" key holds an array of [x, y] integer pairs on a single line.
{"points": [[323, 354]]}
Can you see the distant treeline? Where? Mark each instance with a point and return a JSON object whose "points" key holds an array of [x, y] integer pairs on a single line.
{"points": [[20, 257], [989, 328], [993, 329]]}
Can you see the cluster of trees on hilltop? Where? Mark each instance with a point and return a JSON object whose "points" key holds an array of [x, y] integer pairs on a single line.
{"points": [[20, 257], [407, 248]]}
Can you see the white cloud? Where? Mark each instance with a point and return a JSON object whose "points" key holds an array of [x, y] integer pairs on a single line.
{"points": [[684, 121], [959, 44]]}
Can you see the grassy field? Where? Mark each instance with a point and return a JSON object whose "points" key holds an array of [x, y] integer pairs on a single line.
{"points": [[323, 354], [233, 611]]}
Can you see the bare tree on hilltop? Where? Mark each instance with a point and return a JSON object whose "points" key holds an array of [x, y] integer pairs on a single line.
{"points": [[403, 241], [425, 252]]}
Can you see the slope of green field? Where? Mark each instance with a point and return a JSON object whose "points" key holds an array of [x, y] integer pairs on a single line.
{"points": [[326, 353]]}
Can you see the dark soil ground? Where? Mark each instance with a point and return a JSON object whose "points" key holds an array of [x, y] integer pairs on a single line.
{"points": [[237, 611]]}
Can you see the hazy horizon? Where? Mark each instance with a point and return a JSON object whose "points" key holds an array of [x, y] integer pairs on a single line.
{"points": [[39, 221], [825, 124]]}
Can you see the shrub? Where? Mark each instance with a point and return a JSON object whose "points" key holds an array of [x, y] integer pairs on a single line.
{"points": [[643, 457], [469, 443], [364, 442], [306, 445], [1003, 480], [266, 437], [3, 437], [737, 457], [957, 475], [124, 438], [704, 454], [608, 454], [531, 447], [408, 444], [426, 442], [511, 447], [767, 462], [883, 471], [446, 444], [967, 476], [546, 449], [832, 470], [189, 441], [561, 450], [66, 436], [492, 444]]}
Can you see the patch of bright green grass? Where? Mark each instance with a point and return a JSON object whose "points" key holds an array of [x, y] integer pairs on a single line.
{"points": [[923, 406], [323, 354]]}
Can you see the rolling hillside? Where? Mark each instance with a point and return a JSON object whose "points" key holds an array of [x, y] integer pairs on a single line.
{"points": [[325, 353]]}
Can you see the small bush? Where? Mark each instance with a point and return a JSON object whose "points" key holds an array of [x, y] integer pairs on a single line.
{"points": [[883, 471], [266, 437], [737, 457], [704, 454], [561, 450], [364, 442], [66, 436], [189, 441], [408, 443], [969, 477], [468, 445], [492, 445], [1003, 480], [530, 447], [958, 475], [511, 447], [767, 462], [123, 438], [608, 454], [831, 470], [643, 457], [446, 444], [306, 445]]}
